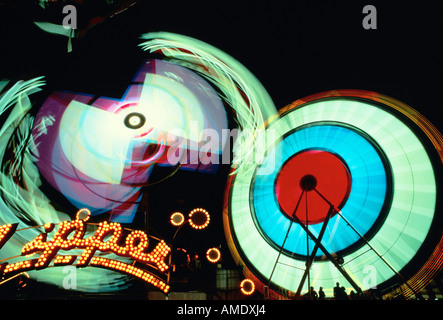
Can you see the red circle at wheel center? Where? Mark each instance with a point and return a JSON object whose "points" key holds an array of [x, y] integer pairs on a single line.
{"points": [[311, 171]]}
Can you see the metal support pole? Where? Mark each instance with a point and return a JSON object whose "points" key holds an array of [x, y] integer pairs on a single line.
{"points": [[367, 242], [307, 248], [286, 237], [314, 251], [329, 256]]}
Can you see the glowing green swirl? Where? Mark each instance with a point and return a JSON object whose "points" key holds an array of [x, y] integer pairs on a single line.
{"points": [[239, 88]]}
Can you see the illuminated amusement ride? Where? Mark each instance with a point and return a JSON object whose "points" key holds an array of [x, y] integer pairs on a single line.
{"points": [[338, 188]]}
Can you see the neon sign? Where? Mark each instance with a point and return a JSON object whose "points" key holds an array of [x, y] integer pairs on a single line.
{"points": [[108, 238]]}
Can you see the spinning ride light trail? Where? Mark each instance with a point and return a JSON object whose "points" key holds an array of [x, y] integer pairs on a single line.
{"points": [[67, 142], [240, 89], [366, 167], [99, 152]]}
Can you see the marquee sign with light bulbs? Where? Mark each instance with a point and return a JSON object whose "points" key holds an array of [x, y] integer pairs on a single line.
{"points": [[108, 238]]}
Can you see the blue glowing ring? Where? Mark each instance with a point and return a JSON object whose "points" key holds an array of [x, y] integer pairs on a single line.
{"points": [[363, 209]]}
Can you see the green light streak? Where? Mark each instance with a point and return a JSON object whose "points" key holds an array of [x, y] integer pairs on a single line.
{"points": [[240, 89]]}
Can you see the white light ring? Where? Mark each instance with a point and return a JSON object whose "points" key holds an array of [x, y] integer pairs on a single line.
{"points": [[288, 271]]}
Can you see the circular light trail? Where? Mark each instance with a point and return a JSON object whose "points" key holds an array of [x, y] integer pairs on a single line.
{"points": [[177, 219], [83, 214], [134, 120], [364, 160], [199, 218], [247, 287], [213, 255]]}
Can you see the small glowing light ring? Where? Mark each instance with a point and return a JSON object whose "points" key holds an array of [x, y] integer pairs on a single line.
{"points": [[134, 120], [177, 219], [247, 287], [213, 255], [83, 212], [199, 218]]}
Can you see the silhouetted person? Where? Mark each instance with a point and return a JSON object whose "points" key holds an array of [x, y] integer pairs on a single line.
{"points": [[344, 295], [337, 292], [313, 294], [321, 294]]}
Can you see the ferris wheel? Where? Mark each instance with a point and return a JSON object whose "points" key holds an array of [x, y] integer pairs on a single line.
{"points": [[347, 194]]}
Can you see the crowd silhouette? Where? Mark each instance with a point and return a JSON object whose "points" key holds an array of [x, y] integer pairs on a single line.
{"points": [[341, 294]]}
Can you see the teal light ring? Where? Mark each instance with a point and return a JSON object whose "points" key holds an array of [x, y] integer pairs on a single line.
{"points": [[398, 239]]}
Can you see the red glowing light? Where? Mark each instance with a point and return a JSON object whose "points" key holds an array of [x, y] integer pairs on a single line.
{"points": [[309, 170]]}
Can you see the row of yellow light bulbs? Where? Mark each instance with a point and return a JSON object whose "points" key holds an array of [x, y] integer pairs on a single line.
{"points": [[130, 269]]}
